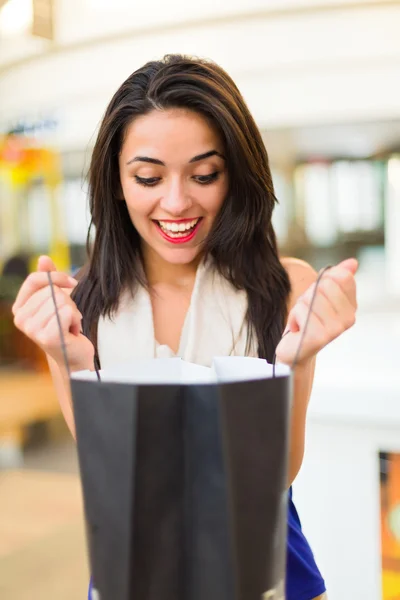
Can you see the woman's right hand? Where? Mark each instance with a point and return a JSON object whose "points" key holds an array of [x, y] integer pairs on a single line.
{"points": [[35, 315]]}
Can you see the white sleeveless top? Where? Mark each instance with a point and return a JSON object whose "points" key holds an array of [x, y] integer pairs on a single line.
{"points": [[215, 325]]}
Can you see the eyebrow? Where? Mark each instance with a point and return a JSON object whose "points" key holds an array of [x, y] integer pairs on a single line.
{"points": [[156, 161], [206, 155]]}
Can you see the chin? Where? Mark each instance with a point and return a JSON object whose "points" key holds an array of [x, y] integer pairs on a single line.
{"points": [[180, 256]]}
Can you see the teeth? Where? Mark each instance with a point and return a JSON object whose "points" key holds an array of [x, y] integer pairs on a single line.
{"points": [[177, 227]]}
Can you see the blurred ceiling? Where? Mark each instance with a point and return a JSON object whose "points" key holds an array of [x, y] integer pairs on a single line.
{"points": [[94, 21]]}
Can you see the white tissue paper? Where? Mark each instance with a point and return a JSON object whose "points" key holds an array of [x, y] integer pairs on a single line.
{"points": [[177, 371]]}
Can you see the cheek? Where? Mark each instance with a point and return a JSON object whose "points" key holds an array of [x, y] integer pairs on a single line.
{"points": [[138, 201], [214, 198]]}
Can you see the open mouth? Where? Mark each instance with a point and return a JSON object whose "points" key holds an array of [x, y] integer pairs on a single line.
{"points": [[178, 231]]}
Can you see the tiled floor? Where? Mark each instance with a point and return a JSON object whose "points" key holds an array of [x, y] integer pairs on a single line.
{"points": [[42, 535]]}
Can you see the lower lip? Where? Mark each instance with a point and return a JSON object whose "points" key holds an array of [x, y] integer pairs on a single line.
{"points": [[179, 240]]}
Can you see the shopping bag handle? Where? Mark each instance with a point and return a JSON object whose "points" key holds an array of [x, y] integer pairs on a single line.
{"points": [[63, 344], [296, 357]]}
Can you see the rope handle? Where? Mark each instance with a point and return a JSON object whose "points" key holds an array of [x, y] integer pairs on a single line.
{"points": [[296, 358], [62, 338]]}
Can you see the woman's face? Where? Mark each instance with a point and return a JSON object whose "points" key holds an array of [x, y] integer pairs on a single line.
{"points": [[174, 180]]}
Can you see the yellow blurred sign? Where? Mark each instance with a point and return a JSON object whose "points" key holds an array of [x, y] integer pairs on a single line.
{"points": [[23, 161], [390, 524]]}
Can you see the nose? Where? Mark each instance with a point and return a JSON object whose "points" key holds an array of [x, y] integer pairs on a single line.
{"points": [[175, 200]]}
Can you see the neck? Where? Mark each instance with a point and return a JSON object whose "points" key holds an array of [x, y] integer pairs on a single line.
{"points": [[159, 271]]}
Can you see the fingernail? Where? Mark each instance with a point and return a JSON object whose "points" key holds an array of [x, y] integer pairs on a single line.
{"points": [[72, 281]]}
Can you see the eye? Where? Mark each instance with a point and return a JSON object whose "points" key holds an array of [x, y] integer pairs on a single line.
{"points": [[147, 181], [206, 179]]}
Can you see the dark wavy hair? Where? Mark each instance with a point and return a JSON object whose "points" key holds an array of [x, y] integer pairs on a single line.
{"points": [[242, 242]]}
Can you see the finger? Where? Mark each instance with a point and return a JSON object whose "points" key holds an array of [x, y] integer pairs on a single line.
{"points": [[321, 307], [45, 263], [38, 319], [62, 299], [334, 294], [298, 314], [35, 302], [38, 280], [299, 317], [344, 278], [70, 320], [350, 264], [333, 321], [343, 301], [38, 322]]}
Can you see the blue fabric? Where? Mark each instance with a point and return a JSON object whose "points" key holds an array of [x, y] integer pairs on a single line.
{"points": [[303, 579]]}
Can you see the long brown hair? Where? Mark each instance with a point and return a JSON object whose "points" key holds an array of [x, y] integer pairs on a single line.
{"points": [[242, 242]]}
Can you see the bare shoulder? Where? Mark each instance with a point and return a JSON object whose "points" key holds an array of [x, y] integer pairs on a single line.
{"points": [[301, 276]]}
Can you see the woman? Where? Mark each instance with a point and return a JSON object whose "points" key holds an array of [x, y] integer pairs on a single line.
{"points": [[184, 258]]}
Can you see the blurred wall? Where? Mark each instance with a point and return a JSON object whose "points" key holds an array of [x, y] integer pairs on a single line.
{"points": [[296, 62]]}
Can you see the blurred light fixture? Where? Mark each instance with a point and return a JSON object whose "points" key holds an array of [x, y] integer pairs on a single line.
{"points": [[16, 17], [29, 17]]}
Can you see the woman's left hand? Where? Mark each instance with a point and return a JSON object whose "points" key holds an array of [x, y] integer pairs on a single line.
{"points": [[333, 312]]}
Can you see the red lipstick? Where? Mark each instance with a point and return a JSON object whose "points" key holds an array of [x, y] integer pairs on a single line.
{"points": [[181, 239]]}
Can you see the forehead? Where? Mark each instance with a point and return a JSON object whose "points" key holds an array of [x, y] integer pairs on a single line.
{"points": [[174, 135]]}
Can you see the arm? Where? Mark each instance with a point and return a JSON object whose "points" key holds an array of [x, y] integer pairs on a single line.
{"points": [[301, 276], [63, 392], [333, 312], [63, 388]]}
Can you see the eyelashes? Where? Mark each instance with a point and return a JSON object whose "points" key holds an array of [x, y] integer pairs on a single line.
{"points": [[147, 181], [201, 179], [206, 179]]}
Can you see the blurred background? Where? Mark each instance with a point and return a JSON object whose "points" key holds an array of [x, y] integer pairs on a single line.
{"points": [[322, 79]]}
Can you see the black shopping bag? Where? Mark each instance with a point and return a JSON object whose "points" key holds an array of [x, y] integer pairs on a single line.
{"points": [[184, 474]]}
